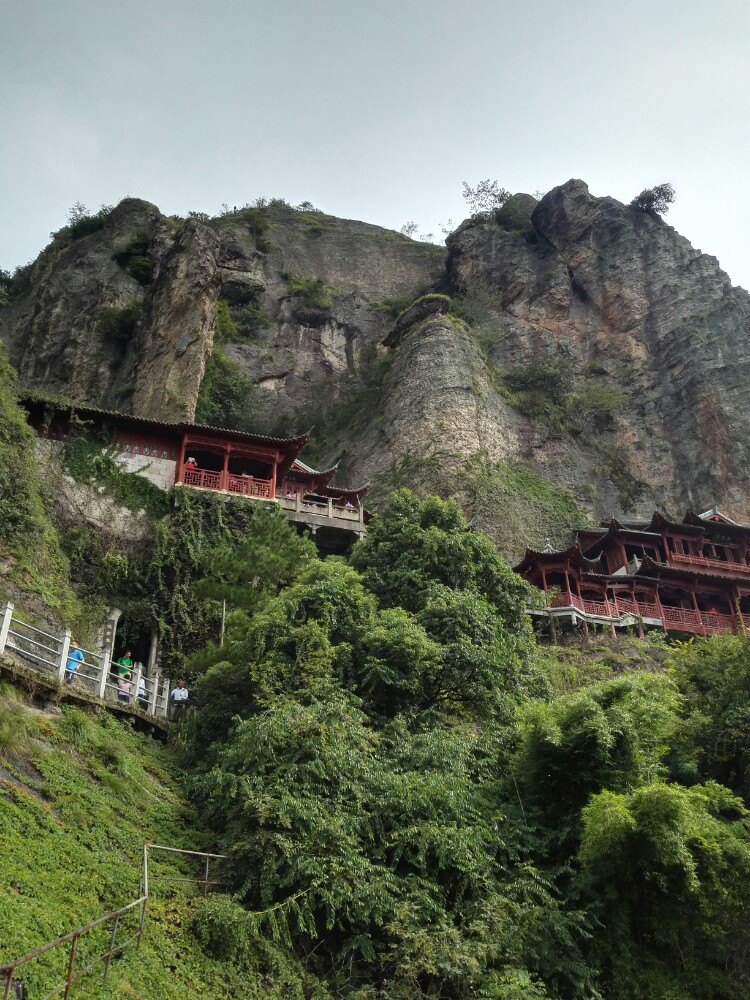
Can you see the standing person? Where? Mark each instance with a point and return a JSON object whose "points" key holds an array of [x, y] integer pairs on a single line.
{"points": [[178, 701], [125, 663], [124, 688], [75, 656]]}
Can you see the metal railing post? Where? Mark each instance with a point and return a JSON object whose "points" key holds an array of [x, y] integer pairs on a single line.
{"points": [[141, 922], [69, 977], [4, 627], [102, 689], [111, 947], [64, 650], [205, 882], [137, 685], [154, 692], [165, 697]]}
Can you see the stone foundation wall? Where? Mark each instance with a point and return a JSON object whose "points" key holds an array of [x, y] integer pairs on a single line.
{"points": [[160, 471]]}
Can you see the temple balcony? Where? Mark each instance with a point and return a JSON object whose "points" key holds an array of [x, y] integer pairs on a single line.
{"points": [[623, 611], [722, 565]]}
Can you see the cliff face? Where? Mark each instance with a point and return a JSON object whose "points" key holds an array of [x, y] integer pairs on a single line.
{"points": [[585, 344]]}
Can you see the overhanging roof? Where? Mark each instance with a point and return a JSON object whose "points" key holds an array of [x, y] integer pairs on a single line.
{"points": [[130, 420]]}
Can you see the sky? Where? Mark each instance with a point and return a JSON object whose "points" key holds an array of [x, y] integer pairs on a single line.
{"points": [[373, 109]]}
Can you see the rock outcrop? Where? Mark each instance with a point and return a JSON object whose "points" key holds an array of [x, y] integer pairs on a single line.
{"points": [[575, 338]]}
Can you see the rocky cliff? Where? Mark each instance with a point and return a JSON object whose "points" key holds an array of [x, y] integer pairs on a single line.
{"points": [[579, 353]]}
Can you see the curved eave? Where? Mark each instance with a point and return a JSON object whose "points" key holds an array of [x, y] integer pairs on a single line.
{"points": [[571, 556], [344, 491]]}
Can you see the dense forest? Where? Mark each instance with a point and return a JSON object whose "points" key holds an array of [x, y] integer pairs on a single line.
{"points": [[420, 801]]}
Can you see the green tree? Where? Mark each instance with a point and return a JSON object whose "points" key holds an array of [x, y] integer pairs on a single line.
{"points": [[613, 735], [668, 869], [714, 675], [655, 200], [416, 544], [228, 397]]}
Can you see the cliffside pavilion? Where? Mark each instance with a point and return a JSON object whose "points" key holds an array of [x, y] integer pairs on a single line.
{"points": [[234, 463], [691, 576]]}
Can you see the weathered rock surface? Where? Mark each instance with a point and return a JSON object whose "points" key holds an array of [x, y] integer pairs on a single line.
{"points": [[647, 335]]}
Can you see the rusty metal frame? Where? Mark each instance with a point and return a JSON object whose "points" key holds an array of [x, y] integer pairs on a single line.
{"points": [[8, 970]]}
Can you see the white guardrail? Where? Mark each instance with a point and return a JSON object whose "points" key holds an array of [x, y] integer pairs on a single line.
{"points": [[95, 674]]}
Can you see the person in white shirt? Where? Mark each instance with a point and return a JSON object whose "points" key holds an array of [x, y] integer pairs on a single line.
{"points": [[178, 701]]}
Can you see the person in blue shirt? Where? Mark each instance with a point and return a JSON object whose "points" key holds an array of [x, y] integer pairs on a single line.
{"points": [[75, 656]]}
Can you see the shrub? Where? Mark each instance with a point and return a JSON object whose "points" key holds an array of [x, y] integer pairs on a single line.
{"points": [[250, 321], [135, 260], [655, 200], [83, 223], [485, 198], [313, 294], [228, 397], [118, 325], [225, 330]]}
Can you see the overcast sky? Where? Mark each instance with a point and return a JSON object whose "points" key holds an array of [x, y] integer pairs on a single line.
{"points": [[373, 109]]}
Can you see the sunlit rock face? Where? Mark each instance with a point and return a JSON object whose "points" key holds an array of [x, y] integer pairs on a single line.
{"points": [[584, 341]]}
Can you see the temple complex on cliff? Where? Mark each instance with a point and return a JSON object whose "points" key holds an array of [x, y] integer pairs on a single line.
{"points": [[235, 463], [691, 576]]}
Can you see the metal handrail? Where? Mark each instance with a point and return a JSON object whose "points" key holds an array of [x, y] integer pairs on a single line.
{"points": [[93, 671], [8, 969]]}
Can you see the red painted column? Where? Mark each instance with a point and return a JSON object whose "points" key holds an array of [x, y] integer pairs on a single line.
{"points": [[738, 609], [273, 476], [225, 471], [697, 610], [659, 608], [179, 471]]}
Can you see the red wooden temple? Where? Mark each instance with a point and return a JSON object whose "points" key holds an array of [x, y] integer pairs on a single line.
{"points": [[213, 458], [689, 576]]}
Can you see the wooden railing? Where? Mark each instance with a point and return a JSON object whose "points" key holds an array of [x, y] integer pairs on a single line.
{"points": [[209, 479], [705, 561], [679, 619], [96, 674], [204, 479], [249, 486]]}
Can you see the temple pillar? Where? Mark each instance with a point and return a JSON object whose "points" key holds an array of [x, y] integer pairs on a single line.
{"points": [[180, 462], [273, 475], [699, 620], [659, 608], [735, 602], [225, 470]]}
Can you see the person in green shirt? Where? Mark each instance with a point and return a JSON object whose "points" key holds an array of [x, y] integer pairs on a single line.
{"points": [[125, 663]]}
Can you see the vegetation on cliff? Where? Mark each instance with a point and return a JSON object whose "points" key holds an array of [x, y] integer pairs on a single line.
{"points": [[79, 794], [419, 803], [416, 799], [30, 552]]}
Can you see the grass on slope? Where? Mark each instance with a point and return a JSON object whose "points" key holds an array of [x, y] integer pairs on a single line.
{"points": [[79, 794]]}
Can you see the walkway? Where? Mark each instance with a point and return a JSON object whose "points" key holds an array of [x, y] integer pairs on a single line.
{"points": [[29, 653]]}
